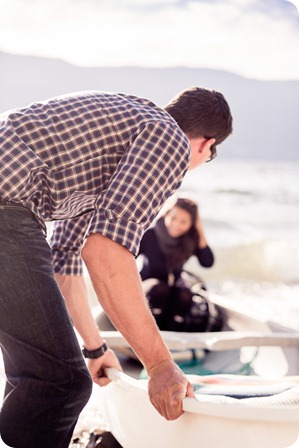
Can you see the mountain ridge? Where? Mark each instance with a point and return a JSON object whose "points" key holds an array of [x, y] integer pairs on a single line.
{"points": [[264, 111]]}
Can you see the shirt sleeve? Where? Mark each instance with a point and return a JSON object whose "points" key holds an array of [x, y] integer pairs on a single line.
{"points": [[150, 170], [148, 173], [66, 243]]}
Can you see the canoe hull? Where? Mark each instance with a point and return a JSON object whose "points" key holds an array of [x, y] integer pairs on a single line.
{"points": [[134, 422]]}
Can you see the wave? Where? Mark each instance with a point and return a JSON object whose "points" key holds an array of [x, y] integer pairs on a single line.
{"points": [[234, 191], [263, 261]]}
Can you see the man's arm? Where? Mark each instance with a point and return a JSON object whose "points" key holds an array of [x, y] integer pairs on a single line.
{"points": [[74, 291], [116, 280]]}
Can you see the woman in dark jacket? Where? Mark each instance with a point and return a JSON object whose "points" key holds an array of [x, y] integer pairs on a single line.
{"points": [[166, 247]]}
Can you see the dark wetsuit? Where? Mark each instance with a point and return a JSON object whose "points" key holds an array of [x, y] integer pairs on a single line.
{"points": [[155, 263], [170, 303]]}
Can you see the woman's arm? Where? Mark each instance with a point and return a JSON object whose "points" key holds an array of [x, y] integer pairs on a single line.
{"points": [[203, 252], [202, 239]]}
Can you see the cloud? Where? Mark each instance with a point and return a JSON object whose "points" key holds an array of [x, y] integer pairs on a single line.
{"points": [[251, 37], [295, 3]]}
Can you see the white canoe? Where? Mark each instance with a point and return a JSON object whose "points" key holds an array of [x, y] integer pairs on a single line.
{"points": [[213, 421], [209, 421], [270, 348]]}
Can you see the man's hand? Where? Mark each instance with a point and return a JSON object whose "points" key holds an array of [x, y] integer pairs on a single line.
{"points": [[97, 366], [167, 387]]}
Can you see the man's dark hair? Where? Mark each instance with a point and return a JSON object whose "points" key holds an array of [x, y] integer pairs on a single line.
{"points": [[201, 112]]}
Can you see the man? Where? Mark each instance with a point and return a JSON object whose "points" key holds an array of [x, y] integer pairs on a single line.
{"points": [[101, 165]]}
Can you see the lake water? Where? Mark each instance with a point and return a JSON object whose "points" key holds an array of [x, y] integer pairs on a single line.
{"points": [[250, 212]]}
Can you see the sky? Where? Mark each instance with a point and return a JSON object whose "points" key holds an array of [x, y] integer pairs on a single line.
{"points": [[254, 38]]}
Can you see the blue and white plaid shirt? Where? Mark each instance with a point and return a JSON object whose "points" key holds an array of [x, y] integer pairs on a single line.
{"points": [[94, 162]]}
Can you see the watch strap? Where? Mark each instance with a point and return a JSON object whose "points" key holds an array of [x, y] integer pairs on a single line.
{"points": [[94, 354]]}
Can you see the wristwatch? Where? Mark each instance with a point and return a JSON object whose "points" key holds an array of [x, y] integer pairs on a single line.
{"points": [[94, 354]]}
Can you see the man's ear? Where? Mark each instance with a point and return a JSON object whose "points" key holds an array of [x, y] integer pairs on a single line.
{"points": [[201, 143], [196, 154], [200, 150], [198, 144], [208, 143]]}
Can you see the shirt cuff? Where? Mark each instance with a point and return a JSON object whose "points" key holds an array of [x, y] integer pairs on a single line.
{"points": [[119, 229], [67, 263]]}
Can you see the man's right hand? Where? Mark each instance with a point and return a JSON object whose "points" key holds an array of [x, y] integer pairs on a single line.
{"points": [[167, 388], [97, 367]]}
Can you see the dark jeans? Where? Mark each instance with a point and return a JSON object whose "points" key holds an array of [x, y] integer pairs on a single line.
{"points": [[47, 380]]}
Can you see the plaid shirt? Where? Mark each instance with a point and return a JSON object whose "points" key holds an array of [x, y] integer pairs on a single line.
{"points": [[94, 162]]}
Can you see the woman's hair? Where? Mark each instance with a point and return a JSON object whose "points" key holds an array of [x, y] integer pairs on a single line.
{"points": [[190, 240]]}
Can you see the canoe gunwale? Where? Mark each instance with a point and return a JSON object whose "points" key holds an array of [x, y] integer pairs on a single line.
{"points": [[238, 410]]}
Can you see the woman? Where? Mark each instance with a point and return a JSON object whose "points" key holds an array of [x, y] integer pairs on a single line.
{"points": [[166, 247]]}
